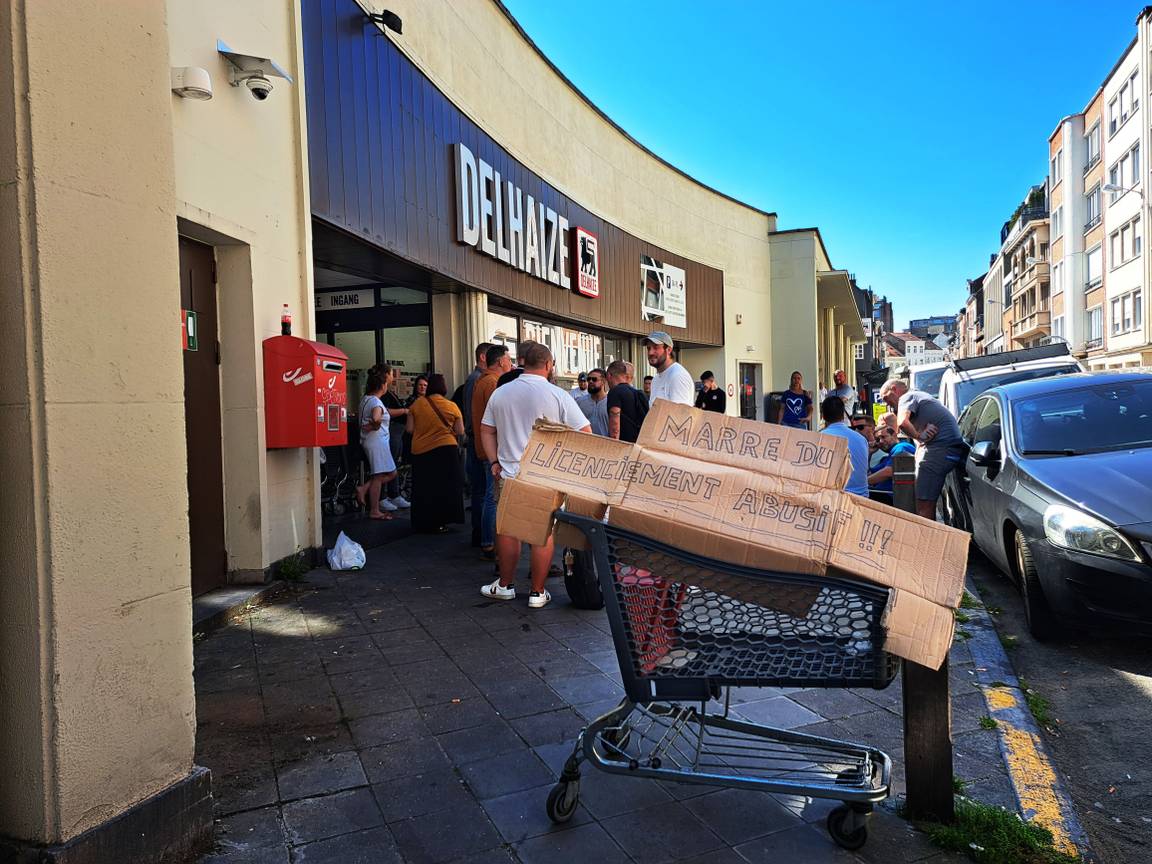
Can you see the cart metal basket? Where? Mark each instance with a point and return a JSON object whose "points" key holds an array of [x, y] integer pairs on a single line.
{"points": [[686, 629]]}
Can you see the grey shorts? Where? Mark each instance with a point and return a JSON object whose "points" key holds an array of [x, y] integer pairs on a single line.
{"points": [[934, 466]]}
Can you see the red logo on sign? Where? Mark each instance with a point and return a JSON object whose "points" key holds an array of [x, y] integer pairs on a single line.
{"points": [[585, 263]]}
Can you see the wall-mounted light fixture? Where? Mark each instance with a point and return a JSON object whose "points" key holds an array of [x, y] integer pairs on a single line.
{"points": [[389, 19], [191, 82]]}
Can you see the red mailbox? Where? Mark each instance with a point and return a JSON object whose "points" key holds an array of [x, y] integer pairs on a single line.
{"points": [[305, 393]]}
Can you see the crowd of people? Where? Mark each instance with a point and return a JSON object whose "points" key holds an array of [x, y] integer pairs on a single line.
{"points": [[482, 431]]}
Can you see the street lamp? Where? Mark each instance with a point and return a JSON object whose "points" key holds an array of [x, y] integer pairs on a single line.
{"points": [[1122, 190]]}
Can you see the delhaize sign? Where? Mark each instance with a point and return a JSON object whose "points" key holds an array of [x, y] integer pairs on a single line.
{"points": [[502, 221]]}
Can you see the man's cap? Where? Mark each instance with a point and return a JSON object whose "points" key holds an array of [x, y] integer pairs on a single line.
{"points": [[659, 337], [583, 376]]}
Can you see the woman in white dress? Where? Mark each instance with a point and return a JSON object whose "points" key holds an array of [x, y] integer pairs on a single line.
{"points": [[374, 440]]}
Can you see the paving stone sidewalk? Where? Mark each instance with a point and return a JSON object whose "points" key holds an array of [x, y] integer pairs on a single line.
{"points": [[395, 715]]}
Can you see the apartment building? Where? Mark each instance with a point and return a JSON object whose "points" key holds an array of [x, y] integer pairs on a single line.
{"points": [[990, 340], [1125, 143]]}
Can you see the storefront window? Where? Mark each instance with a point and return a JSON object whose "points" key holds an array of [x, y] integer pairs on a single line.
{"points": [[396, 295], [613, 349], [407, 351], [504, 330], [360, 346]]}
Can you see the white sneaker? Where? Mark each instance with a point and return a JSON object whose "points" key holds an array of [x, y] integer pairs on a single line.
{"points": [[400, 503], [538, 600], [496, 591], [387, 506]]}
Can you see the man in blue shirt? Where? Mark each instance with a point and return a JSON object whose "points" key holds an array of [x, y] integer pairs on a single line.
{"points": [[880, 480], [832, 410]]}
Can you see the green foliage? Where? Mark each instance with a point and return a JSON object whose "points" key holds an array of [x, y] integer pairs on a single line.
{"points": [[961, 616], [963, 635], [294, 567], [958, 784], [1040, 707], [992, 835], [1009, 642], [967, 601], [987, 722]]}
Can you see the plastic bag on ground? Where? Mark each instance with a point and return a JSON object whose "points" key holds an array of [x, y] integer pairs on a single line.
{"points": [[347, 554]]}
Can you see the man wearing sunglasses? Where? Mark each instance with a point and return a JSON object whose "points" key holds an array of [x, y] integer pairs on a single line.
{"points": [[594, 403]]}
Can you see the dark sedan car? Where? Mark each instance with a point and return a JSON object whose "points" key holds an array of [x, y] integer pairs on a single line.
{"points": [[1057, 491]]}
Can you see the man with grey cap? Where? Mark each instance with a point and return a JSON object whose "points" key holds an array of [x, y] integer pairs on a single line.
{"points": [[672, 381]]}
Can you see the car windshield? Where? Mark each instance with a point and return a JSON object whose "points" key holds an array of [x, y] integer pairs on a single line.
{"points": [[966, 391], [928, 381], [1111, 416]]}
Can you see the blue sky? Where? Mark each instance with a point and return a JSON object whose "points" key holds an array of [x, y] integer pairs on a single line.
{"points": [[907, 132]]}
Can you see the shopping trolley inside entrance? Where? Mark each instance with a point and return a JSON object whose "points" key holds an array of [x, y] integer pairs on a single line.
{"points": [[688, 628]]}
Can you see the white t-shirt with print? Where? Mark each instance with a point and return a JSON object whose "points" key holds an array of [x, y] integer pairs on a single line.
{"points": [[675, 385], [516, 406]]}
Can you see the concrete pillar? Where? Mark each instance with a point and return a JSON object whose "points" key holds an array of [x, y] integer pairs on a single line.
{"points": [[96, 696], [828, 330], [841, 351], [473, 315]]}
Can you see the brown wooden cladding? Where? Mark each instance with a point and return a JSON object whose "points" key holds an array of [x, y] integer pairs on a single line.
{"points": [[380, 138]]}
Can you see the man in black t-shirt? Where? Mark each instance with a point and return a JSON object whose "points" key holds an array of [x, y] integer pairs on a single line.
{"points": [[711, 397], [513, 374], [627, 406]]}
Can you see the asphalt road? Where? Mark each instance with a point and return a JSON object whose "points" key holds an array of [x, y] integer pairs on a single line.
{"points": [[1100, 692]]}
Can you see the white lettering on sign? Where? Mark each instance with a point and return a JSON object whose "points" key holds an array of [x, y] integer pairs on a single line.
{"points": [[328, 301], [502, 221], [303, 379]]}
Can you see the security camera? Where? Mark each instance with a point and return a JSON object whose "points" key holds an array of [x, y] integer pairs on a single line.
{"points": [[259, 86]]}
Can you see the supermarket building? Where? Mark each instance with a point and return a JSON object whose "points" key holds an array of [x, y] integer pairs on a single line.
{"points": [[137, 472]]}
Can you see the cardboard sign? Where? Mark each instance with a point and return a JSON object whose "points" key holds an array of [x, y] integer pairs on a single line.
{"points": [[747, 493]]}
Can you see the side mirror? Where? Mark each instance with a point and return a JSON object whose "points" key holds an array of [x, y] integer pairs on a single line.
{"points": [[985, 453]]}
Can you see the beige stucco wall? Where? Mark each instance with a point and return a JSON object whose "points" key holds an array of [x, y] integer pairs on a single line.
{"points": [[96, 707], [241, 172], [477, 57], [796, 337]]}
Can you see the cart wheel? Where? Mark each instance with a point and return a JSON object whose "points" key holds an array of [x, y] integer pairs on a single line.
{"points": [[562, 801], [839, 821], [580, 580], [617, 736]]}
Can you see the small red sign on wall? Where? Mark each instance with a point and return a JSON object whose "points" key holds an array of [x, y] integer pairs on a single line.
{"points": [[585, 263]]}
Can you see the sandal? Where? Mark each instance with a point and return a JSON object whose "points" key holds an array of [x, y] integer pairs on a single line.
{"points": [[383, 517]]}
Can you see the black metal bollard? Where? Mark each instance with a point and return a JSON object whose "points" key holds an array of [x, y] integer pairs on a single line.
{"points": [[927, 704]]}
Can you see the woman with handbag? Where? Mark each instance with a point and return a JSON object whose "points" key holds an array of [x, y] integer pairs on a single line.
{"points": [[436, 427]]}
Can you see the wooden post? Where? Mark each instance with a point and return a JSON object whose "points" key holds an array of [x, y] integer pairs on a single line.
{"points": [[927, 704]]}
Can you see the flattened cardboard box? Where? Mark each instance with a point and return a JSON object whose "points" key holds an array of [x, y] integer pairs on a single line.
{"points": [[719, 501]]}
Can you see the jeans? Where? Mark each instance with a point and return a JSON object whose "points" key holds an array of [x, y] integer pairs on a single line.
{"points": [[474, 465], [488, 524]]}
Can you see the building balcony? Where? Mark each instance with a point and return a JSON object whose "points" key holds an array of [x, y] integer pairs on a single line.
{"points": [[1027, 215], [1037, 323], [1028, 277]]}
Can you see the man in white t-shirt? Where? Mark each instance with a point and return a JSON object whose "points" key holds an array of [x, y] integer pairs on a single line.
{"points": [[672, 381], [504, 432]]}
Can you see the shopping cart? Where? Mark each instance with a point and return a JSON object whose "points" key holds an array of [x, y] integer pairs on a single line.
{"points": [[686, 629]]}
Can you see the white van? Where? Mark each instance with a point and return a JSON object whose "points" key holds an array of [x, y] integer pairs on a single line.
{"points": [[927, 376], [966, 379]]}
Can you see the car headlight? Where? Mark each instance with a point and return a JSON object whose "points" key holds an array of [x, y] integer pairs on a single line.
{"points": [[1074, 529]]}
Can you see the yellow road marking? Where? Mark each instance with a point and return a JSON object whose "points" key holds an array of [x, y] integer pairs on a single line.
{"points": [[1035, 779]]}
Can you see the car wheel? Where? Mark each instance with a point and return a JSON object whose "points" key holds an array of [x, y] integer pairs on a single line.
{"points": [[1041, 622]]}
